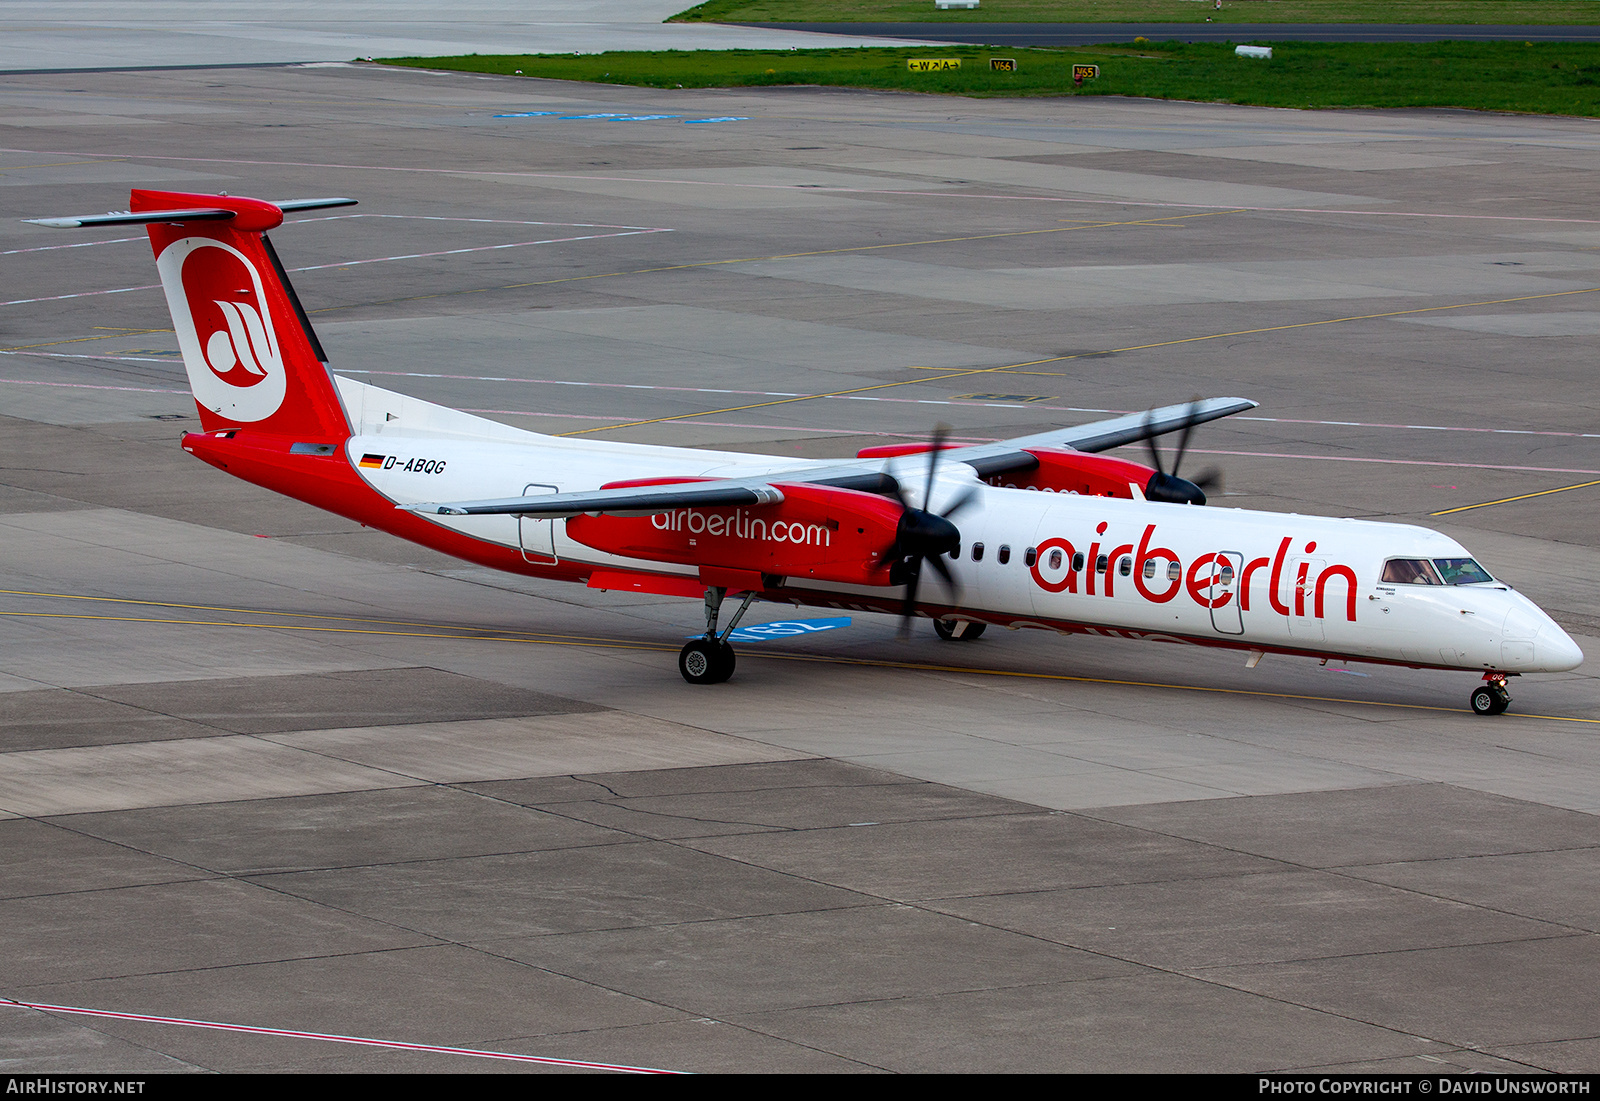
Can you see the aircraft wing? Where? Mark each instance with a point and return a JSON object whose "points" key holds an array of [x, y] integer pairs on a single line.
{"points": [[1007, 455], [647, 500], [866, 475]]}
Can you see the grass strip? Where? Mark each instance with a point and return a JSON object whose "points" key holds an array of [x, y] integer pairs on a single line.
{"points": [[1564, 12], [1542, 78]]}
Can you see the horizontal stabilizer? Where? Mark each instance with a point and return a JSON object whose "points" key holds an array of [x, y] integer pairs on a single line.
{"points": [[198, 214]]}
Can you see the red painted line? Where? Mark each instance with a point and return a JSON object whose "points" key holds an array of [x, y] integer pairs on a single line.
{"points": [[364, 1041], [1395, 462]]}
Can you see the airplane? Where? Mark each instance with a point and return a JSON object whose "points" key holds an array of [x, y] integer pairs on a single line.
{"points": [[1053, 534]]}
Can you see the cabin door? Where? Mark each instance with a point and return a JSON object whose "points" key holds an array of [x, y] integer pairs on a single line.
{"points": [[537, 537]]}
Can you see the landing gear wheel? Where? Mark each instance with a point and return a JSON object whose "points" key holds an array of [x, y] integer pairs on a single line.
{"points": [[706, 661], [725, 662], [1490, 700], [946, 629]]}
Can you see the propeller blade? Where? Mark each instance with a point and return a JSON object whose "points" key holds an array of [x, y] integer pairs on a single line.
{"points": [[1208, 479], [908, 607], [966, 498], [1183, 440], [950, 583], [941, 432], [1150, 442]]}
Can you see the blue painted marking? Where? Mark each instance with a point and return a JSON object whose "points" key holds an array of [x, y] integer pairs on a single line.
{"points": [[783, 628], [526, 115], [602, 115], [723, 118], [641, 118]]}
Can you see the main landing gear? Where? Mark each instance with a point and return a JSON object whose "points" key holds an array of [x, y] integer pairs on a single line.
{"points": [[957, 630], [710, 660], [1492, 698]]}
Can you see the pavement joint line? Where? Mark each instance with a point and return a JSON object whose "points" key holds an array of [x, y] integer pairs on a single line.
{"points": [[83, 339], [699, 264], [355, 263], [328, 1037], [1211, 207], [881, 663], [1520, 497], [1083, 355]]}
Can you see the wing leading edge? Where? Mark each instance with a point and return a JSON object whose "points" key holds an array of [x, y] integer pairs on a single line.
{"points": [[986, 459]]}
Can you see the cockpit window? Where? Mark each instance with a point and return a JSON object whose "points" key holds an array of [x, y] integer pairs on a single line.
{"points": [[1409, 571], [1461, 571]]}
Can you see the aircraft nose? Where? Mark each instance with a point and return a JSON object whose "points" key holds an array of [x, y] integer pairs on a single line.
{"points": [[1556, 651], [1535, 642]]}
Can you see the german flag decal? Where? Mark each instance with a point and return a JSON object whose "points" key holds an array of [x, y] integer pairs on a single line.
{"points": [[372, 462]]}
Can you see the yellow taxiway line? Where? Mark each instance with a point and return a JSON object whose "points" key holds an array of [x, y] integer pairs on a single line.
{"points": [[1519, 497]]}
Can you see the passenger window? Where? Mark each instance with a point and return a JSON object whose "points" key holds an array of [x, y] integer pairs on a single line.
{"points": [[1409, 571], [1462, 571], [1174, 571], [1077, 562], [1227, 575], [1149, 568], [1055, 559], [977, 552], [1003, 555], [1125, 565], [1029, 556], [1100, 564]]}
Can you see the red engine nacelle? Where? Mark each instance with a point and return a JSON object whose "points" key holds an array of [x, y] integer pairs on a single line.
{"points": [[1061, 470], [895, 450], [815, 532]]}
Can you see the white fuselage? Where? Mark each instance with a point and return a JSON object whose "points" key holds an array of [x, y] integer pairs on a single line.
{"points": [[1230, 577]]}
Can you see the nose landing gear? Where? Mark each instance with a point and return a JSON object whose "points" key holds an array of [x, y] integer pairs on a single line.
{"points": [[710, 660], [1492, 698]]}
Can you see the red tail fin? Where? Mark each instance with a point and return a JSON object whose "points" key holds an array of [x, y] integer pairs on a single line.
{"points": [[252, 357]]}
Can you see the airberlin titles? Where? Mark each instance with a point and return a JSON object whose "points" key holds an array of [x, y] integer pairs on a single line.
{"points": [[844, 539], [1208, 581], [819, 532]]}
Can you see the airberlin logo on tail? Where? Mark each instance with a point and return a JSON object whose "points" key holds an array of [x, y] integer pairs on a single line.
{"points": [[224, 328]]}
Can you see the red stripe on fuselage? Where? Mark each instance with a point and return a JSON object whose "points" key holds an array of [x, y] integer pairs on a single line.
{"points": [[330, 483]]}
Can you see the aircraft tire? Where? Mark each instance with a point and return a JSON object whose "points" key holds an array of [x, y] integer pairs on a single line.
{"points": [[725, 662], [1490, 701], [706, 661], [946, 628], [702, 662]]}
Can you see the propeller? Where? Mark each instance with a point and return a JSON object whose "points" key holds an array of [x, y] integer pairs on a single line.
{"points": [[923, 535], [1165, 485]]}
